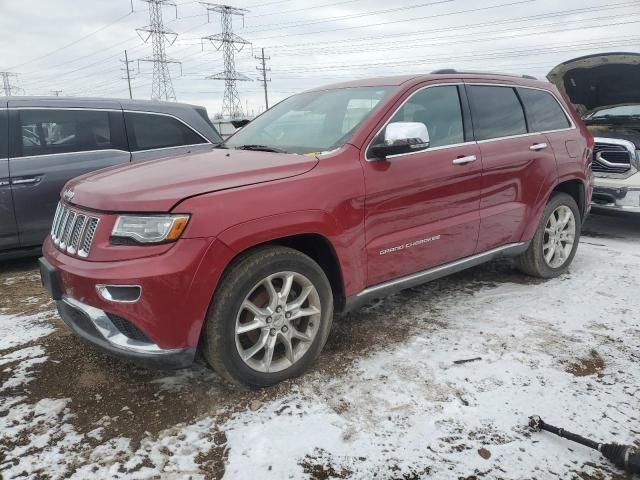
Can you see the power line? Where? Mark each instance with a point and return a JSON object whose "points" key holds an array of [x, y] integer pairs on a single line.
{"points": [[162, 88], [230, 43]]}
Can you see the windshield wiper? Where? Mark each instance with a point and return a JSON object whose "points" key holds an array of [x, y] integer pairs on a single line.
{"points": [[261, 148], [220, 145]]}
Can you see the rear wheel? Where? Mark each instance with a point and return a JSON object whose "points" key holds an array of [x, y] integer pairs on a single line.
{"points": [[556, 240], [270, 317]]}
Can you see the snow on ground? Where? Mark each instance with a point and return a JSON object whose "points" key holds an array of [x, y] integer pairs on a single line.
{"points": [[397, 407]]}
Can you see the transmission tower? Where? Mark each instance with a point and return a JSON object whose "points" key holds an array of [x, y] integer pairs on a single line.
{"points": [[230, 43], [9, 89], [162, 87]]}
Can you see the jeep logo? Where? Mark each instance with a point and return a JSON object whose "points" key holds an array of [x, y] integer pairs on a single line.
{"points": [[68, 194]]}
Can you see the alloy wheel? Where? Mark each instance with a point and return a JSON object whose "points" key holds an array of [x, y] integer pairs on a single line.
{"points": [[559, 236], [278, 322]]}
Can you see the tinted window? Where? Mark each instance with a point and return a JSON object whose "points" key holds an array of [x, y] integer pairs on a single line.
{"points": [[49, 131], [439, 109], [4, 132], [543, 111], [496, 112], [148, 131]]}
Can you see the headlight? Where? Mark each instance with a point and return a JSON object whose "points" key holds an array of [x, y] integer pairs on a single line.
{"points": [[149, 228]]}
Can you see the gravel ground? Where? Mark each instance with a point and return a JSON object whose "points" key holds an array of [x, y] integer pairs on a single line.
{"points": [[385, 401]]}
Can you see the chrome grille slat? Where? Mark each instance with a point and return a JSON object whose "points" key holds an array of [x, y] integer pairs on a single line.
{"points": [[73, 231], [75, 234], [611, 157], [64, 239]]}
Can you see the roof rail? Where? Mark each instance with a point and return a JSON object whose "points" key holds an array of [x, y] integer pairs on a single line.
{"points": [[449, 71]]}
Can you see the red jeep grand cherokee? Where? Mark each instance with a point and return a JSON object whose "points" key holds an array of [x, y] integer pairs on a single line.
{"points": [[331, 198]]}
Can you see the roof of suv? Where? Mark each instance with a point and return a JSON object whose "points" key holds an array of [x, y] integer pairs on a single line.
{"points": [[446, 74], [125, 102]]}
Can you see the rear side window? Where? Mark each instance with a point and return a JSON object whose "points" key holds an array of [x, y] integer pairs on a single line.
{"points": [[439, 109], [4, 133], [543, 111], [496, 112], [50, 131], [148, 131]]}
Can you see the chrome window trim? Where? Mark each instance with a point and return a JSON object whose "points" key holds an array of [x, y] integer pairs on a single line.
{"points": [[144, 112], [191, 145], [507, 85], [70, 153]]}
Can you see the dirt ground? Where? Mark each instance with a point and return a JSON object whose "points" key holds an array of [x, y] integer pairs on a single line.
{"points": [[106, 399]]}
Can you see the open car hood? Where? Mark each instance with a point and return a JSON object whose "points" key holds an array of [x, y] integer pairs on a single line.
{"points": [[600, 80]]}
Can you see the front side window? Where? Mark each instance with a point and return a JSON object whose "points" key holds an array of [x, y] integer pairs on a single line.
{"points": [[496, 112], [543, 111], [49, 131], [148, 131], [311, 122], [438, 108]]}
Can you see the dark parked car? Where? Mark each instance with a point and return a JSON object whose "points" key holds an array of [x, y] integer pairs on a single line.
{"points": [[44, 142], [329, 199]]}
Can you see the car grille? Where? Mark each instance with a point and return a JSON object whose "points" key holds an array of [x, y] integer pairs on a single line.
{"points": [[73, 231], [611, 158]]}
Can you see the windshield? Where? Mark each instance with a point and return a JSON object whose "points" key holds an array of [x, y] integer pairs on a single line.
{"points": [[311, 122], [619, 111]]}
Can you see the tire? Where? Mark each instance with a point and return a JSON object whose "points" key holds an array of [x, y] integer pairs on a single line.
{"points": [[535, 260], [255, 336]]}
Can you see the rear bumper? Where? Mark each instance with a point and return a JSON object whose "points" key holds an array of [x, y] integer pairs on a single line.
{"points": [[617, 195], [95, 327]]}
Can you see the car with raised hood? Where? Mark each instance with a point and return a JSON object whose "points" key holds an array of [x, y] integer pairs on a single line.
{"points": [[605, 89], [331, 198], [46, 141]]}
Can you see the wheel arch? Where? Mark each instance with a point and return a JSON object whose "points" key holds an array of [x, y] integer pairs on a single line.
{"points": [[574, 188]]}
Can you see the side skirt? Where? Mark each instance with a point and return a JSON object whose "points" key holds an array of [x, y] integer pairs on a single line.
{"points": [[408, 281]]}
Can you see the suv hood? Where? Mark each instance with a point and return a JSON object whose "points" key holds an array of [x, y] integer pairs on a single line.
{"points": [[158, 185], [597, 81]]}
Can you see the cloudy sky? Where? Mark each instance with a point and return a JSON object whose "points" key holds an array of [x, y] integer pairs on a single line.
{"points": [[76, 45]]}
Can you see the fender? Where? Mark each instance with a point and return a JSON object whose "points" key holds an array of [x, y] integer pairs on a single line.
{"points": [[347, 244]]}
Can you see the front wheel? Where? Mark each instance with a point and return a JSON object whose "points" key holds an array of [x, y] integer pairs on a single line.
{"points": [[269, 319], [556, 240]]}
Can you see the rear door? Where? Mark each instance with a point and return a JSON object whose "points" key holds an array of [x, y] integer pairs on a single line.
{"points": [[49, 146], [516, 164], [422, 207], [156, 135], [8, 229]]}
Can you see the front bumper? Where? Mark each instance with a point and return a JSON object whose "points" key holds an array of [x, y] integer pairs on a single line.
{"points": [[161, 327], [95, 327], [622, 195]]}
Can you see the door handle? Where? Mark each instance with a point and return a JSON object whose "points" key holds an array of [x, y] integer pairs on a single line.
{"points": [[464, 160], [536, 147], [25, 181]]}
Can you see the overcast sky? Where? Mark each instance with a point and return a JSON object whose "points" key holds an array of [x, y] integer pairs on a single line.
{"points": [[76, 45]]}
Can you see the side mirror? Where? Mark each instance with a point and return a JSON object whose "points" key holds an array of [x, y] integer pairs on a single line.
{"points": [[239, 123], [401, 138]]}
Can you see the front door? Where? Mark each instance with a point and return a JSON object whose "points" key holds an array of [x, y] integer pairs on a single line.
{"points": [[422, 207], [8, 229], [51, 146]]}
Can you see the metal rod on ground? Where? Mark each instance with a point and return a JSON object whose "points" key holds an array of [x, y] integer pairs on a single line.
{"points": [[622, 456]]}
